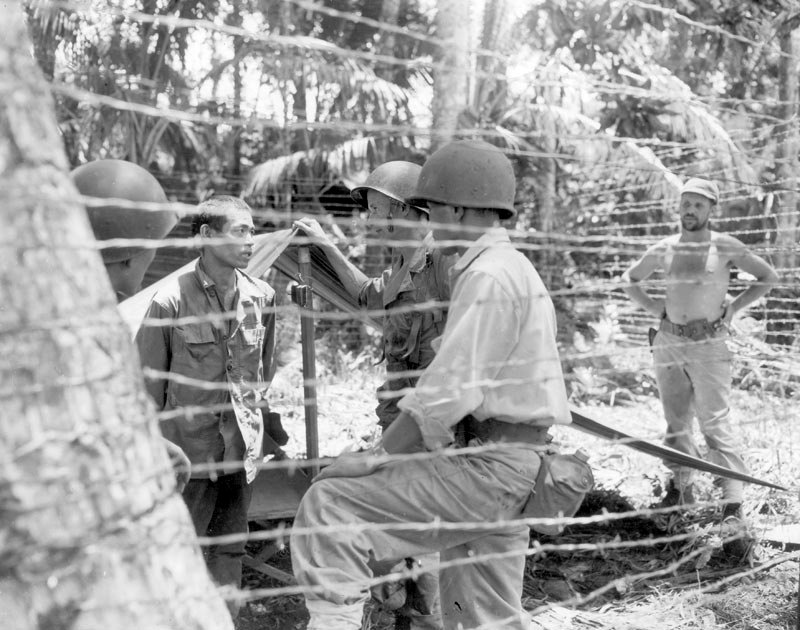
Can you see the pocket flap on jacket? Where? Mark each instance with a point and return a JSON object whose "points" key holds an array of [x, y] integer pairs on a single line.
{"points": [[197, 333]]}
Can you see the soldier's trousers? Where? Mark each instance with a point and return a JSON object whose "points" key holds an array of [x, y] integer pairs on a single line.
{"points": [[456, 505], [694, 378], [219, 508]]}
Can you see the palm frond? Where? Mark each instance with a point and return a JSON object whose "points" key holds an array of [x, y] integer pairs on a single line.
{"points": [[601, 147], [52, 20], [685, 117], [336, 161]]}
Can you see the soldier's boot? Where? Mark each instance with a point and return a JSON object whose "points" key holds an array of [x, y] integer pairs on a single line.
{"points": [[731, 510], [677, 495], [738, 539], [422, 610]]}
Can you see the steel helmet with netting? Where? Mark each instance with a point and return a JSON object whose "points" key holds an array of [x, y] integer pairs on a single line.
{"points": [[468, 174], [118, 179], [397, 180]]}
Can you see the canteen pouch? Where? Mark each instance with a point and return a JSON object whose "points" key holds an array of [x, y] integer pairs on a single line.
{"points": [[561, 485]]}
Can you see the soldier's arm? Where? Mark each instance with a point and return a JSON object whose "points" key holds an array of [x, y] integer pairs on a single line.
{"points": [[765, 276], [153, 343], [641, 270], [402, 436], [349, 275]]}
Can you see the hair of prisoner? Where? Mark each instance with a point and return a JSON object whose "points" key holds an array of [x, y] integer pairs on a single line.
{"points": [[215, 212]]}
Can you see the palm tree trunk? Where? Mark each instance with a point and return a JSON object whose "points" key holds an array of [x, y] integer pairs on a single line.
{"points": [[491, 87], [390, 10], [92, 533], [550, 269], [450, 91], [788, 145], [235, 164]]}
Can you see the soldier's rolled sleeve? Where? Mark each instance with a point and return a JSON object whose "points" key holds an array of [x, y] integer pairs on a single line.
{"points": [[153, 343]]}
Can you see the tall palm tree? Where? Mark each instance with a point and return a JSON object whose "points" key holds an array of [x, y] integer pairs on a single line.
{"points": [[450, 95], [93, 533]]}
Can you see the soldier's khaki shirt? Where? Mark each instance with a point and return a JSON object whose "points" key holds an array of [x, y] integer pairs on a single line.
{"points": [[498, 356], [415, 295]]}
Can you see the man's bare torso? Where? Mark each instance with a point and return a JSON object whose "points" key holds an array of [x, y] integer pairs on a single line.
{"points": [[697, 278]]}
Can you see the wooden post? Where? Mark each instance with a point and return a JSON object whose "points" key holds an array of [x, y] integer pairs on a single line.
{"points": [[309, 357]]}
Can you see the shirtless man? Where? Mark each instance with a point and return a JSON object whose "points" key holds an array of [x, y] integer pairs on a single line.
{"points": [[692, 360]]}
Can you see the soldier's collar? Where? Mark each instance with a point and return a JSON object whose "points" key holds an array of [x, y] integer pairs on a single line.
{"points": [[493, 236]]}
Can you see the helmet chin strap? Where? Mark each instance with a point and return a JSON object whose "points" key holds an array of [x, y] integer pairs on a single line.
{"points": [[390, 216]]}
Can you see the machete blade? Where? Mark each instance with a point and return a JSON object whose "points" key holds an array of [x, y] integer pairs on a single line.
{"points": [[664, 452]]}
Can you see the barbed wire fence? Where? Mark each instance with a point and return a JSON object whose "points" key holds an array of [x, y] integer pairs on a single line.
{"points": [[604, 335]]}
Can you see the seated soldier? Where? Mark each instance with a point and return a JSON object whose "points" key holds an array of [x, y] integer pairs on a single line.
{"points": [[419, 275]]}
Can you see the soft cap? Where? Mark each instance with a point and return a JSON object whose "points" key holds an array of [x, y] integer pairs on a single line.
{"points": [[704, 187]]}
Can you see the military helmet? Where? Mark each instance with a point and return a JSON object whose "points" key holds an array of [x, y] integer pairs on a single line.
{"points": [[397, 180], [118, 179], [468, 174]]}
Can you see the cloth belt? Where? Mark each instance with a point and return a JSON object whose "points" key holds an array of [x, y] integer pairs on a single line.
{"points": [[696, 330], [493, 430]]}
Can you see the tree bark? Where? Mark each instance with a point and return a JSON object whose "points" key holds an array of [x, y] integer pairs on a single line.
{"points": [[786, 154], [450, 89], [390, 10], [235, 165], [490, 80], [548, 194], [92, 533]]}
